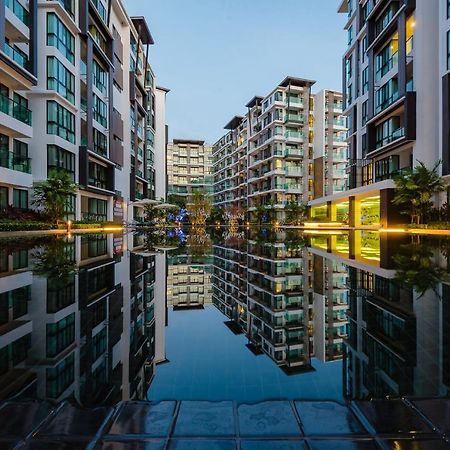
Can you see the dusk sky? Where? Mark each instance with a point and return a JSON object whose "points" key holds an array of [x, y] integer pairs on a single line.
{"points": [[215, 55]]}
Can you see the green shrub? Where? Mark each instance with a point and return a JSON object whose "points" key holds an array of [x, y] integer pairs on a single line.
{"points": [[19, 225], [431, 226]]}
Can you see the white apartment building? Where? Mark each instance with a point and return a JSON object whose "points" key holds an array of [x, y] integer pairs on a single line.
{"points": [[84, 103]]}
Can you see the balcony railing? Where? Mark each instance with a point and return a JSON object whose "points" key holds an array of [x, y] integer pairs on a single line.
{"points": [[397, 134], [293, 135], [16, 56], [19, 11], [14, 109], [14, 162]]}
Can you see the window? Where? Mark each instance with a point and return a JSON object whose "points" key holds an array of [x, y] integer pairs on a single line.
{"points": [[386, 17], [100, 111], [60, 335], [98, 344], [364, 146], [68, 5], [364, 113], [350, 35], [60, 159], [100, 78], [349, 95], [97, 175], [98, 37], [365, 44], [60, 37], [448, 50], [365, 80], [3, 197], [387, 57], [97, 209], [100, 143], [448, 9], [20, 199], [348, 68], [389, 131], [101, 9], [386, 95], [60, 79], [60, 121], [59, 378]]}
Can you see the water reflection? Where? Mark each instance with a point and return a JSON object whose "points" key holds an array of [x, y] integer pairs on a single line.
{"points": [[102, 318]]}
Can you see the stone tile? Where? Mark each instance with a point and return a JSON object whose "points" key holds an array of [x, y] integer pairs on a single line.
{"points": [[437, 411], [415, 444], [205, 419], [327, 418], [274, 418], [55, 445], [273, 445], [73, 421], [152, 419], [343, 444], [135, 445], [393, 416], [19, 419], [202, 445]]}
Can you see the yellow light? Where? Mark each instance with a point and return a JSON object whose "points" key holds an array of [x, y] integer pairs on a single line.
{"points": [[112, 228], [323, 224], [392, 230]]}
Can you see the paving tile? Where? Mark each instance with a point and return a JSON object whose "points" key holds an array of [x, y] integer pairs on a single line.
{"points": [[437, 411], [152, 419], [202, 445], [54, 445], [73, 421], [205, 419], [274, 418], [140, 445], [273, 445], [393, 416], [327, 418], [19, 419], [414, 444], [343, 444]]}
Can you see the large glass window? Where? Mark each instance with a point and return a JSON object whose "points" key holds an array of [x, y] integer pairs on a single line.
{"points": [[98, 209], [3, 197], [20, 199], [97, 175], [365, 80], [60, 335], [386, 17], [100, 143], [60, 159], [389, 131], [386, 95], [60, 79], [59, 378], [387, 58], [59, 36], [98, 37], [100, 78], [100, 111], [60, 121]]}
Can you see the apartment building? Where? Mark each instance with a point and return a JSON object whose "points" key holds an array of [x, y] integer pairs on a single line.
{"points": [[77, 319], [90, 91], [392, 90], [189, 283], [330, 144], [189, 168], [264, 158]]}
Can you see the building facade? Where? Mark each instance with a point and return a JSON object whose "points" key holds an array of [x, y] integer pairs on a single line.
{"points": [[90, 91], [395, 102], [189, 168], [289, 148]]}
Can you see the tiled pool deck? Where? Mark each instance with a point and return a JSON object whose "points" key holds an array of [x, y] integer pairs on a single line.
{"points": [[199, 425]]}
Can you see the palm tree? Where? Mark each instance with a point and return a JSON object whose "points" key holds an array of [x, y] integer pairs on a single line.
{"points": [[52, 195], [414, 190]]}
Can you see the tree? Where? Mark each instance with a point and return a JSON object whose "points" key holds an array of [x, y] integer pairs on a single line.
{"points": [[199, 208], [414, 190], [52, 195], [296, 213]]}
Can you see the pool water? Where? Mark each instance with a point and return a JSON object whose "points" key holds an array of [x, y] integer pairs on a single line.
{"points": [[216, 314]]}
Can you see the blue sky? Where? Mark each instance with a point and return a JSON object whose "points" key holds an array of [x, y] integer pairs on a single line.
{"points": [[215, 55]]}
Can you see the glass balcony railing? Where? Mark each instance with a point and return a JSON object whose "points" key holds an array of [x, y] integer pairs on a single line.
{"points": [[293, 118], [16, 56], [387, 102], [385, 140], [19, 11], [410, 45], [339, 154], [14, 109], [12, 161], [293, 135], [294, 152]]}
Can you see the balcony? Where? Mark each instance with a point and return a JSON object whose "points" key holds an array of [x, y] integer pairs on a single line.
{"points": [[294, 118], [14, 162], [13, 109], [299, 152], [19, 11], [293, 135], [394, 136], [16, 56]]}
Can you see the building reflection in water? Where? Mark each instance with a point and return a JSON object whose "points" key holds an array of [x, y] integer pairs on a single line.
{"points": [[378, 302], [85, 317], [77, 319]]}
